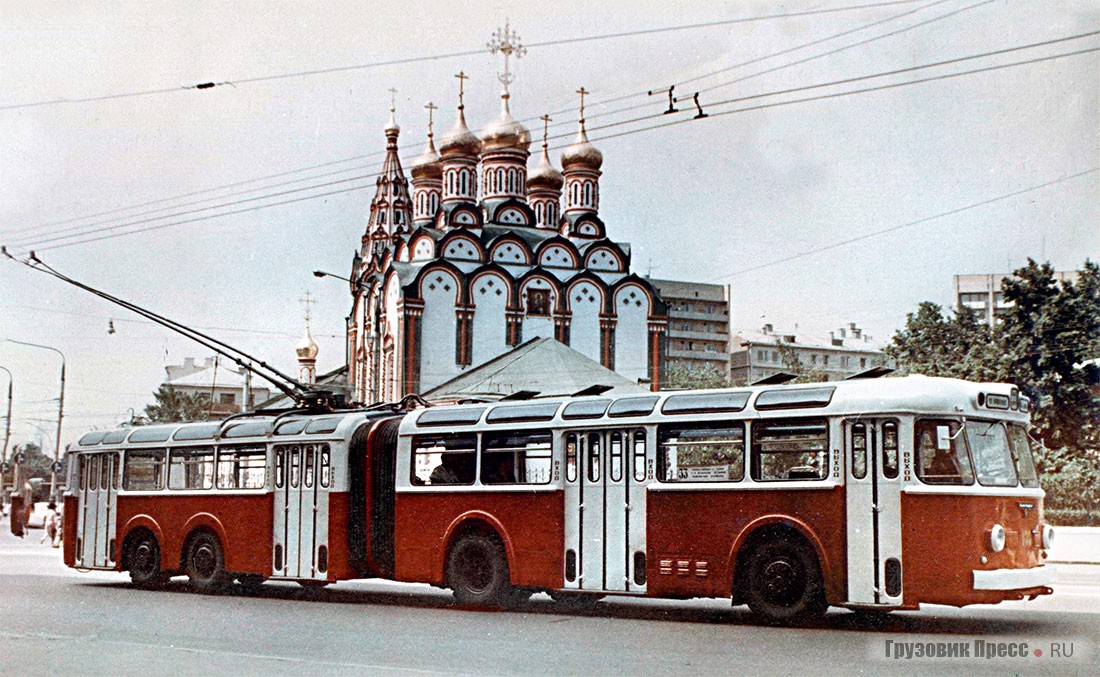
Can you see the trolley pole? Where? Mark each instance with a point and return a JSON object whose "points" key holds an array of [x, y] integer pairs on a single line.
{"points": [[60, 414]]}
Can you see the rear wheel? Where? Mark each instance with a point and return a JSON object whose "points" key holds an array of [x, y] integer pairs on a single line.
{"points": [[477, 571], [784, 582], [206, 563], [143, 559]]}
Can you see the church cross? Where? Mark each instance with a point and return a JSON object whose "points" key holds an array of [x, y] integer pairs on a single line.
{"points": [[393, 99], [307, 301], [462, 78], [546, 120], [507, 43], [432, 108], [582, 91]]}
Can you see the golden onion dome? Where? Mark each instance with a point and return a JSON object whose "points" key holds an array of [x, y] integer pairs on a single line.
{"points": [[505, 132], [460, 140], [581, 153], [545, 175], [427, 165], [307, 349]]}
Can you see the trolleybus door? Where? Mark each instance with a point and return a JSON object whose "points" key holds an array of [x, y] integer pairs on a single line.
{"points": [[95, 529], [874, 511], [302, 479], [605, 510]]}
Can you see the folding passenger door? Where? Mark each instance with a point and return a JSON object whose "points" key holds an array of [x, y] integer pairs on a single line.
{"points": [[605, 510], [95, 528], [873, 495], [302, 481]]}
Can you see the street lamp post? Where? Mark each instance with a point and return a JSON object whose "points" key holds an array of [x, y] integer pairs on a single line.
{"points": [[7, 419], [372, 336], [60, 412]]}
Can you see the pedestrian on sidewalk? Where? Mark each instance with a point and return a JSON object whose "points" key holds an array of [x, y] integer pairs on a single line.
{"points": [[50, 524]]}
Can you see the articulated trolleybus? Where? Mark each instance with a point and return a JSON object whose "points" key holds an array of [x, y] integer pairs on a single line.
{"points": [[873, 494]]}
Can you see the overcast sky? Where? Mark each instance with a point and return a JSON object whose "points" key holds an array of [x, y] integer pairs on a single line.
{"points": [[706, 200]]}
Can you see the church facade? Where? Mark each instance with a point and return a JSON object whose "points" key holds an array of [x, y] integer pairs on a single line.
{"points": [[477, 254]]}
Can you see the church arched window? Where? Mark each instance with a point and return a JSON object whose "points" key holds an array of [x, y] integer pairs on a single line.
{"points": [[575, 193], [587, 194]]}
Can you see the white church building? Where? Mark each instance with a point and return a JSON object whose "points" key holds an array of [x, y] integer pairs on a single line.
{"points": [[479, 255]]}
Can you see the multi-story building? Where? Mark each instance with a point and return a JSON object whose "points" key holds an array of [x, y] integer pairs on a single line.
{"points": [[216, 382], [982, 294], [698, 325], [845, 352]]}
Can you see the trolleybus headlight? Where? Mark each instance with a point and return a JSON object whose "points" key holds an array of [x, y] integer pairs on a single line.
{"points": [[997, 538], [1048, 536]]}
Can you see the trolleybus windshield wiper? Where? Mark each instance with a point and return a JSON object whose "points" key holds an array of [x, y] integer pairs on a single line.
{"points": [[301, 393]]}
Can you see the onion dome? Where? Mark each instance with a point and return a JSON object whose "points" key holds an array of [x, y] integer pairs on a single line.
{"points": [[544, 175], [460, 140], [307, 348], [581, 153], [505, 132], [427, 165]]}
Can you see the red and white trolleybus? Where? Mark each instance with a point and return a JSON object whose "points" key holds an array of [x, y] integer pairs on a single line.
{"points": [[872, 494]]}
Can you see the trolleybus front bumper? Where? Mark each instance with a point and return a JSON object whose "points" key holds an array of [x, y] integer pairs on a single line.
{"points": [[1015, 579]]}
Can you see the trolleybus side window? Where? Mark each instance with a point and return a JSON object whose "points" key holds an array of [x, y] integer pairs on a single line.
{"points": [[144, 470], [701, 453], [859, 450], [790, 449], [594, 457], [444, 459], [571, 457], [616, 445], [890, 449], [988, 441], [639, 455], [515, 457], [191, 468], [1021, 452], [941, 452], [242, 468]]}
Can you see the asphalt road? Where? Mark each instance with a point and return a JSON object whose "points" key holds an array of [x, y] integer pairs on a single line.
{"points": [[58, 621]]}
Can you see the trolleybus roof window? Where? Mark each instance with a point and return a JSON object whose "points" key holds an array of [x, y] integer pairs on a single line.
{"points": [[292, 427], [795, 398], [205, 431], [92, 438], [116, 436], [322, 425], [704, 402], [247, 429], [451, 416], [151, 434], [585, 409], [633, 406], [543, 411]]}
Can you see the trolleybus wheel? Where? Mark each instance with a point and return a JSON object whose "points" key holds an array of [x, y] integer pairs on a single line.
{"points": [[143, 559], [784, 582], [206, 563], [477, 571]]}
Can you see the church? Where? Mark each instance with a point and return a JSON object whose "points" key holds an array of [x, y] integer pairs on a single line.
{"points": [[478, 254]]}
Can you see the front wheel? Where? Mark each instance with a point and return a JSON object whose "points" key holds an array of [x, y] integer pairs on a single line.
{"points": [[143, 559], [477, 571], [784, 583], [206, 563]]}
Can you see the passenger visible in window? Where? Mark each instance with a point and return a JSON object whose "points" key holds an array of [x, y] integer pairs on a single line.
{"points": [[446, 472]]}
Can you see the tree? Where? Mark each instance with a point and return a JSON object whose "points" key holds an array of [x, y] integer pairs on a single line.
{"points": [[793, 364], [680, 375], [1050, 341], [173, 406], [934, 345], [35, 463]]}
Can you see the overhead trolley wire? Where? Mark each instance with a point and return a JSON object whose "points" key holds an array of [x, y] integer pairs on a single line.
{"points": [[76, 237], [437, 57]]}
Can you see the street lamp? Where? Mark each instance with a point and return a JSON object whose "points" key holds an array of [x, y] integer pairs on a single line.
{"points": [[7, 419], [60, 412], [372, 336]]}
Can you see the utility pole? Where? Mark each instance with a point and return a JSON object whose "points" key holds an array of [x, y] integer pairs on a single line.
{"points": [[60, 414]]}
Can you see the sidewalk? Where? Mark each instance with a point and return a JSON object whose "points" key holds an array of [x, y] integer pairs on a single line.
{"points": [[1076, 545]]}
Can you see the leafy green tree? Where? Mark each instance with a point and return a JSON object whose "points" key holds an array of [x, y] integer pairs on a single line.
{"points": [[173, 406], [935, 345], [793, 364], [1050, 341], [36, 464], [680, 375]]}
